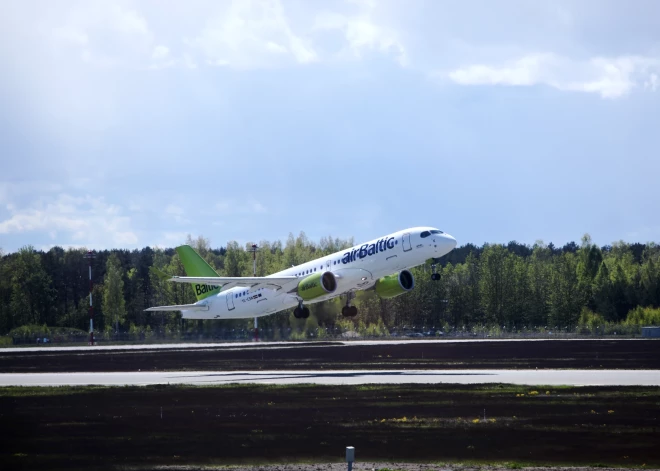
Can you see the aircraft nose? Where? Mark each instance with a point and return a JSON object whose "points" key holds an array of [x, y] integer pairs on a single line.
{"points": [[451, 242]]}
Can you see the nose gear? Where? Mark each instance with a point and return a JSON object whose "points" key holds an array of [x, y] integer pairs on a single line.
{"points": [[435, 276]]}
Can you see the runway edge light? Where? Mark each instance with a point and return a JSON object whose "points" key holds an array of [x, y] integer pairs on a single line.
{"points": [[350, 456]]}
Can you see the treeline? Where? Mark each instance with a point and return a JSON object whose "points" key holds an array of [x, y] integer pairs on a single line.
{"points": [[508, 287]]}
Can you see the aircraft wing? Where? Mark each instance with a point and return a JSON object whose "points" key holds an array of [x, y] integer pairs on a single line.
{"points": [[254, 282], [180, 307]]}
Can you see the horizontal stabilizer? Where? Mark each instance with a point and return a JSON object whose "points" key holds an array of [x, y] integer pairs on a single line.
{"points": [[273, 282], [180, 307]]}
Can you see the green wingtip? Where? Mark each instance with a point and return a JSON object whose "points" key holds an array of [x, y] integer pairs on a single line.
{"points": [[195, 265]]}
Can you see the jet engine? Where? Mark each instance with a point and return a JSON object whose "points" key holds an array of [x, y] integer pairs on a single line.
{"points": [[316, 285], [394, 285]]}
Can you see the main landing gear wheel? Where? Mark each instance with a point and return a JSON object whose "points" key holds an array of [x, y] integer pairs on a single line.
{"points": [[349, 311], [301, 312]]}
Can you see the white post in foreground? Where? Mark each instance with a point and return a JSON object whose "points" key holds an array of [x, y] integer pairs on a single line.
{"points": [[350, 457]]}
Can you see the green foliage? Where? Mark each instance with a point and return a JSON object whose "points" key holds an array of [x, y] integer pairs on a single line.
{"points": [[114, 304], [590, 320], [643, 316]]}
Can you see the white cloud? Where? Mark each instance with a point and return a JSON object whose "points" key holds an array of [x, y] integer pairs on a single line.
{"points": [[160, 52], [106, 34], [86, 221], [176, 213], [363, 33], [609, 77], [233, 207], [171, 239], [252, 34]]}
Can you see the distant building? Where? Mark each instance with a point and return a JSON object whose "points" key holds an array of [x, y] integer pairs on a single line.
{"points": [[651, 332]]}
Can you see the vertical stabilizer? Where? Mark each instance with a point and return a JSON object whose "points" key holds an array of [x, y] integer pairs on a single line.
{"points": [[197, 266]]}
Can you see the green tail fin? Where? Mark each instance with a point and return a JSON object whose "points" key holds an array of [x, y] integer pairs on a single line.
{"points": [[197, 266]]}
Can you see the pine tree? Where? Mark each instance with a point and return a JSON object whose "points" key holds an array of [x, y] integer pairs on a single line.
{"points": [[114, 304]]}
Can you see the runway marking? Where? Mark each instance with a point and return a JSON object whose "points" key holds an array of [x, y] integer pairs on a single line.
{"points": [[237, 345], [342, 377]]}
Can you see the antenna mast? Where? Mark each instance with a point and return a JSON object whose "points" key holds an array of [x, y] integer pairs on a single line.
{"points": [[90, 255]]}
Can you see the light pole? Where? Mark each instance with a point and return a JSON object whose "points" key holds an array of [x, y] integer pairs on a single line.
{"points": [[90, 256], [254, 273]]}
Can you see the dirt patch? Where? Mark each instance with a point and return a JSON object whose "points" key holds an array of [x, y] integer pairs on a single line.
{"points": [[592, 354], [104, 427]]}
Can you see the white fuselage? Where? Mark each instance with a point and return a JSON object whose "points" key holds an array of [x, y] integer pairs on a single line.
{"points": [[356, 268]]}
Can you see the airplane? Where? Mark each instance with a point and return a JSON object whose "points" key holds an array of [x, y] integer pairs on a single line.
{"points": [[381, 264]]}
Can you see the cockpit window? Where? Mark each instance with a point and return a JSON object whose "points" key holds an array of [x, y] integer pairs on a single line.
{"points": [[435, 231], [425, 234]]}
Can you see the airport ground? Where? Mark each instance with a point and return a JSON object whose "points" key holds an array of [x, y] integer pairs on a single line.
{"points": [[634, 354], [101, 427], [427, 426]]}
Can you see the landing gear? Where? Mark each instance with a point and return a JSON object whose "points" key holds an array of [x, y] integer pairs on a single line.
{"points": [[434, 276], [348, 310], [301, 312]]}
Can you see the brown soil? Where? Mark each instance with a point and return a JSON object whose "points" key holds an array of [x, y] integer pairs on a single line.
{"points": [[64, 428], [592, 354]]}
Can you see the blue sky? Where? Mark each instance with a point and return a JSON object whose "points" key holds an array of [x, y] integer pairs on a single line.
{"points": [[134, 123]]}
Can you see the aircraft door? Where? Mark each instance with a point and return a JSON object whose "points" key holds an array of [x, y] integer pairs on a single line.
{"points": [[230, 301], [406, 242]]}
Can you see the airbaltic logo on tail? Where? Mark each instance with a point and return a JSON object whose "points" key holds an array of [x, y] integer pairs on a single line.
{"points": [[368, 249], [202, 289]]}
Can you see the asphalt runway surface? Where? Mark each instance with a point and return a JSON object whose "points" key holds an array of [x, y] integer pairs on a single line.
{"points": [[339, 377]]}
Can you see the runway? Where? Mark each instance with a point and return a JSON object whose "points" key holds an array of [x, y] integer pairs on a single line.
{"points": [[193, 346], [341, 377]]}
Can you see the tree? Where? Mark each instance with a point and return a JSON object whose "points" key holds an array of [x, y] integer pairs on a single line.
{"points": [[650, 283], [565, 300], [32, 295], [114, 304], [602, 294]]}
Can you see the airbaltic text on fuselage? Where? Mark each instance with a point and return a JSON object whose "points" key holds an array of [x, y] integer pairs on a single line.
{"points": [[368, 249], [201, 289]]}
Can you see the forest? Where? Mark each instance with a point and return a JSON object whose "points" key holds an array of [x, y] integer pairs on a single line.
{"points": [[494, 287]]}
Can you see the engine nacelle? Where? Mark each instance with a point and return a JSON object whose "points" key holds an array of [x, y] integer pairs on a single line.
{"points": [[394, 285], [316, 285]]}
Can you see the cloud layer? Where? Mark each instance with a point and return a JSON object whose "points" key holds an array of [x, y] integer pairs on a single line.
{"points": [[608, 77], [131, 123]]}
